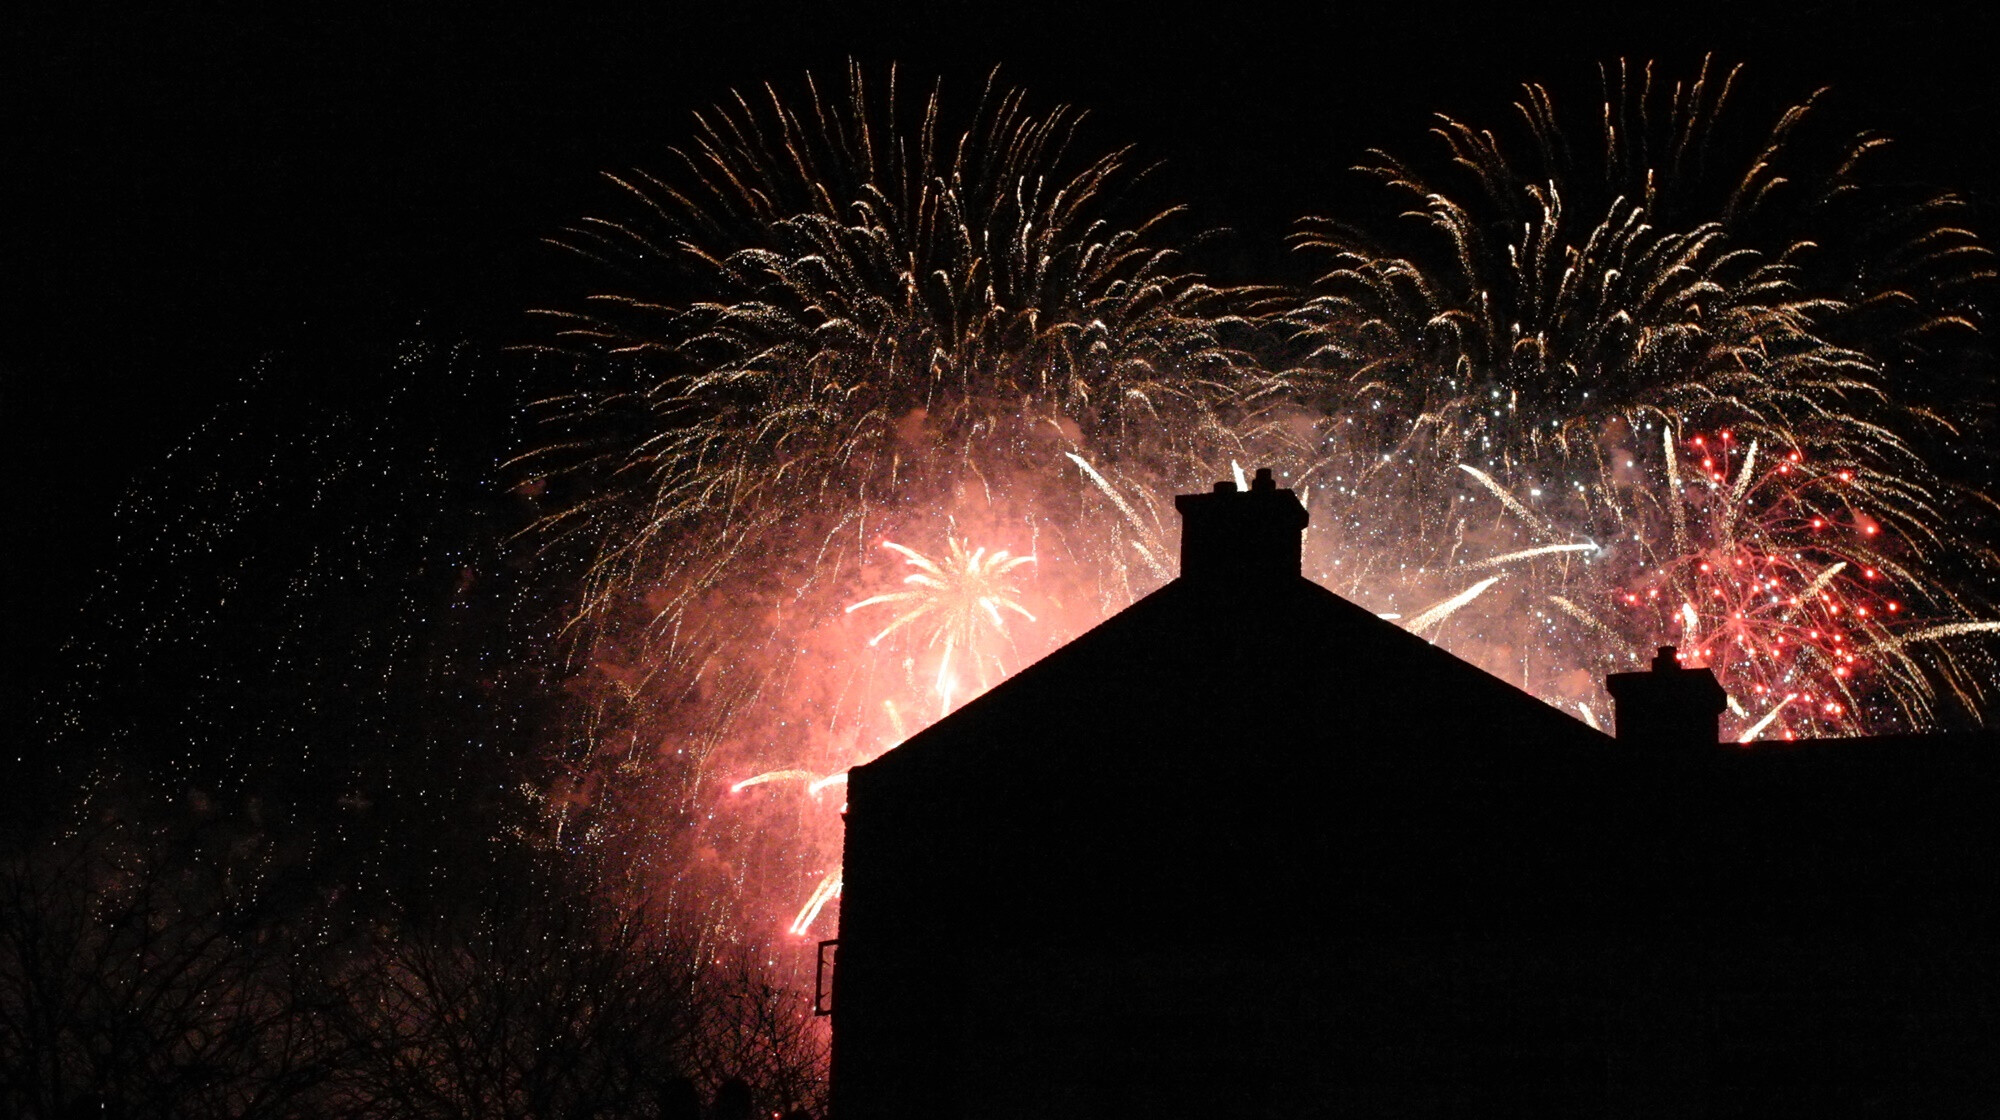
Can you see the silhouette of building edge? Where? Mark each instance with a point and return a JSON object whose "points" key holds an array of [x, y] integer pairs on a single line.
{"points": [[1246, 849]]}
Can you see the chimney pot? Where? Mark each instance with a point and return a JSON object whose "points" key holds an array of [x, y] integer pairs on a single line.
{"points": [[1229, 533], [1671, 706]]}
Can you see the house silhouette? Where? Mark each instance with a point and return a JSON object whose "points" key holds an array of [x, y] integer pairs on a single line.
{"points": [[1247, 850]]}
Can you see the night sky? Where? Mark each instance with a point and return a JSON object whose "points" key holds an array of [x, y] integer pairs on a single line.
{"points": [[191, 191]]}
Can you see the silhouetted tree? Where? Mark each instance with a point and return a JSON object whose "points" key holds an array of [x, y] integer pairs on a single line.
{"points": [[139, 981], [181, 972]]}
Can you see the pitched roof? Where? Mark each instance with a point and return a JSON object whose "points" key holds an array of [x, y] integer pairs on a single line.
{"points": [[1273, 670]]}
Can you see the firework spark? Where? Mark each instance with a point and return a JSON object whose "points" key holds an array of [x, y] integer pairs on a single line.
{"points": [[960, 597], [1429, 617], [827, 890], [774, 776]]}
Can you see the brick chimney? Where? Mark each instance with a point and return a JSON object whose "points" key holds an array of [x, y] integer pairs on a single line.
{"points": [[1671, 706], [1232, 534]]}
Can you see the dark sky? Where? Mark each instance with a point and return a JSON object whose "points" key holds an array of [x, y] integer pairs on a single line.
{"points": [[190, 191]]}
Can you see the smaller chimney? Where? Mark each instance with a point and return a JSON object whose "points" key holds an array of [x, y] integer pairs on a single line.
{"points": [[1231, 534], [1671, 706]]}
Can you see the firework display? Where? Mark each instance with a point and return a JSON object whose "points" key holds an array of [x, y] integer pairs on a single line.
{"points": [[1774, 574], [886, 402], [870, 331], [1507, 363], [960, 600]]}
